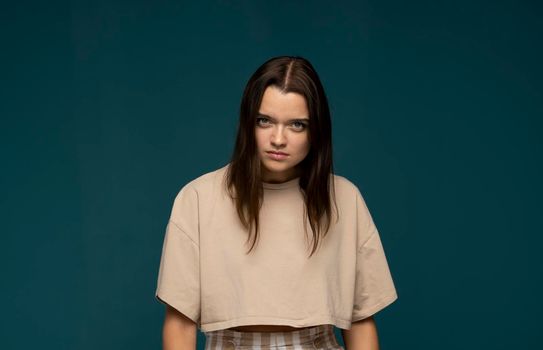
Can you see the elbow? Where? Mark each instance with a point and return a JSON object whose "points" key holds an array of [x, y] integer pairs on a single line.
{"points": [[362, 335], [178, 331]]}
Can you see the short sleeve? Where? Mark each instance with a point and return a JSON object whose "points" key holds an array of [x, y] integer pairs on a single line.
{"points": [[374, 286], [178, 283]]}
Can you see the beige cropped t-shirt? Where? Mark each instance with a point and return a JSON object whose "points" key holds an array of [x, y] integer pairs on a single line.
{"points": [[205, 274]]}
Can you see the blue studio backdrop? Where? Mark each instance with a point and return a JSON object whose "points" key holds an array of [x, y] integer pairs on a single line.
{"points": [[109, 107]]}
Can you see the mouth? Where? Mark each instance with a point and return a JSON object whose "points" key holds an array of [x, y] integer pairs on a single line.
{"points": [[277, 155]]}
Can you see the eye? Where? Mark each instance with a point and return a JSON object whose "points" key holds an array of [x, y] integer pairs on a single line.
{"points": [[302, 126], [259, 119]]}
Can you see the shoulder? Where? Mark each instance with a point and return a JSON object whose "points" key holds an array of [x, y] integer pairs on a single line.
{"points": [[195, 196], [206, 181], [349, 193], [345, 187]]}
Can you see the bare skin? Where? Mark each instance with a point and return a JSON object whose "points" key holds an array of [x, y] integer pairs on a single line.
{"points": [[282, 125], [362, 335], [266, 328], [178, 332]]}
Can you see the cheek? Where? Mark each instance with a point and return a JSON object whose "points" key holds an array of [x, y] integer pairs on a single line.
{"points": [[259, 138], [302, 143]]}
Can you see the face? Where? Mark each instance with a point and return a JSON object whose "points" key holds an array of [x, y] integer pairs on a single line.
{"points": [[282, 125]]}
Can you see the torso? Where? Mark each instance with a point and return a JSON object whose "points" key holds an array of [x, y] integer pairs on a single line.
{"points": [[265, 328]]}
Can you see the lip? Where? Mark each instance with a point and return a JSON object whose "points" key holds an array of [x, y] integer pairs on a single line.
{"points": [[277, 155]]}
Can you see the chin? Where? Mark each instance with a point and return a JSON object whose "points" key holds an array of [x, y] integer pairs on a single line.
{"points": [[276, 166]]}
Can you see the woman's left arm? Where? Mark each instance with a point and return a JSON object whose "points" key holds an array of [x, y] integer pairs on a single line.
{"points": [[362, 335]]}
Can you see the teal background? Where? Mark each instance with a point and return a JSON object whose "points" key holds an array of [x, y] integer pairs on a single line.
{"points": [[110, 107]]}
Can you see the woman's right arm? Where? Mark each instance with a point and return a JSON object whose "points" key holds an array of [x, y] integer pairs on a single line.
{"points": [[178, 332]]}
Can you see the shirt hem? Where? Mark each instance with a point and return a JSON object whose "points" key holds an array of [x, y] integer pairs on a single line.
{"points": [[267, 320], [167, 299], [375, 308]]}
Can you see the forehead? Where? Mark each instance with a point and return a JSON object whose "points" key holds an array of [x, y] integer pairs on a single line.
{"points": [[283, 105]]}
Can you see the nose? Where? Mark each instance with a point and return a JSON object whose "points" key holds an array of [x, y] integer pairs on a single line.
{"points": [[278, 139]]}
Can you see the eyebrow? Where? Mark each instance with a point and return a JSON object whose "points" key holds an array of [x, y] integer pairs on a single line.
{"points": [[290, 120]]}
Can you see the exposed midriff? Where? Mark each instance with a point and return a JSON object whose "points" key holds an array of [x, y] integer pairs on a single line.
{"points": [[266, 328]]}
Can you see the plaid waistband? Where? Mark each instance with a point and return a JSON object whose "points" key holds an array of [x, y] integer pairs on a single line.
{"points": [[316, 337]]}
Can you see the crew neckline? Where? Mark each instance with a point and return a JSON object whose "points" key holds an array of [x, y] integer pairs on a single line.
{"points": [[281, 185]]}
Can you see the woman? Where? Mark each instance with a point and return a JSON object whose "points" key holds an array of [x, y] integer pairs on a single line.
{"points": [[275, 198]]}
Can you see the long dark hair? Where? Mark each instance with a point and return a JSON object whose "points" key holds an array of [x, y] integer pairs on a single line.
{"points": [[243, 177]]}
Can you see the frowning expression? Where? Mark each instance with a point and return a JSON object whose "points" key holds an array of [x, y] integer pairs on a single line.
{"points": [[282, 134]]}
